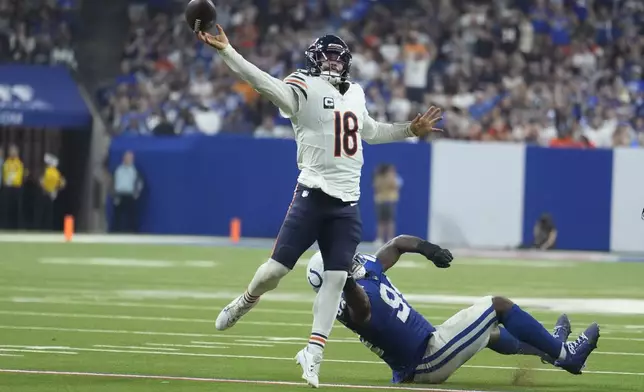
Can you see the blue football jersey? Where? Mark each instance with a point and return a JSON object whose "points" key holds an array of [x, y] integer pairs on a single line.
{"points": [[396, 332]]}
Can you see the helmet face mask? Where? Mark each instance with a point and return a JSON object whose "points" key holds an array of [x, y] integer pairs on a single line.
{"points": [[332, 65], [358, 270], [329, 57]]}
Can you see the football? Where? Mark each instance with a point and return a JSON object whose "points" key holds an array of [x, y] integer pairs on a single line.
{"points": [[201, 15]]}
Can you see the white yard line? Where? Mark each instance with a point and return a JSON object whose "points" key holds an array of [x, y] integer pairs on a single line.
{"points": [[269, 358], [262, 341], [135, 347], [55, 301], [622, 339], [122, 262], [192, 354], [60, 301], [22, 350], [212, 344], [230, 381], [112, 331], [553, 370], [222, 345], [53, 290], [603, 306], [149, 351], [144, 318], [606, 328], [104, 316], [203, 335], [618, 353]]}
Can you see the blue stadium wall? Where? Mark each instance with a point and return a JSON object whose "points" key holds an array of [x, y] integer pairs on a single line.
{"points": [[460, 194]]}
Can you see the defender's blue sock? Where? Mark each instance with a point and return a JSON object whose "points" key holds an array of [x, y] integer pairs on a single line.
{"points": [[528, 330], [506, 344], [509, 345]]}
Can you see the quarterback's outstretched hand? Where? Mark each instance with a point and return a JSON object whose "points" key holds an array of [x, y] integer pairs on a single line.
{"points": [[424, 124], [218, 41]]}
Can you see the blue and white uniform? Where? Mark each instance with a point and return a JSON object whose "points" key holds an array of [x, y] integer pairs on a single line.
{"points": [[396, 332], [415, 350]]}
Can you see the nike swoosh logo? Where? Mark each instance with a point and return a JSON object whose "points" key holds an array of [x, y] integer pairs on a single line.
{"points": [[353, 204]]}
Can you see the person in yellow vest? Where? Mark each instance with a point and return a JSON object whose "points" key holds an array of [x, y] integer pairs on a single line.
{"points": [[51, 182], [13, 175], [386, 186]]}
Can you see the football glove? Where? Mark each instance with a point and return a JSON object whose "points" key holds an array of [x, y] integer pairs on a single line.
{"points": [[442, 258], [437, 255]]}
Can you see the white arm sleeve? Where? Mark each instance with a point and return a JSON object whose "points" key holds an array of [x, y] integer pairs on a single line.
{"points": [[374, 132], [285, 97]]}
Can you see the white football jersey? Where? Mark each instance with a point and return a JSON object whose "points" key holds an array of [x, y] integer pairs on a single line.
{"points": [[329, 126], [327, 129]]}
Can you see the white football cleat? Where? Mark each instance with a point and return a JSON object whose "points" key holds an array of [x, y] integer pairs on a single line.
{"points": [[233, 312], [310, 364]]}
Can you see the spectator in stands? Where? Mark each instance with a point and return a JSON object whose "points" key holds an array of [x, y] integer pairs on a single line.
{"points": [[127, 188], [51, 182], [508, 33], [623, 136], [238, 122], [63, 53], [13, 174], [268, 129], [6, 16], [162, 126], [594, 135], [417, 63], [399, 107], [200, 86], [639, 130], [386, 185], [21, 44], [133, 127], [186, 124]]}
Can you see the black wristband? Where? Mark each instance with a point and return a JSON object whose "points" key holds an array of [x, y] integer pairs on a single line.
{"points": [[349, 284], [427, 249]]}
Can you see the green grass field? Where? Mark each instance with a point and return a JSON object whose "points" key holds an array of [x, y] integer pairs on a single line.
{"points": [[126, 310]]}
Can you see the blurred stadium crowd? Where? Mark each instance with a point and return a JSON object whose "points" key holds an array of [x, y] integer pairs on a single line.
{"points": [[38, 31], [551, 72], [557, 72]]}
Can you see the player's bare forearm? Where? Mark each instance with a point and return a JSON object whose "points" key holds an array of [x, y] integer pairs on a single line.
{"points": [[275, 90], [390, 253], [357, 302]]}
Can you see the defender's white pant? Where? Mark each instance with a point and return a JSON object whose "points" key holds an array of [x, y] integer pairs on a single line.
{"points": [[456, 341]]}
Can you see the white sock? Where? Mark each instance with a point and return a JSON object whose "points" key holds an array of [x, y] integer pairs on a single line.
{"points": [[266, 278], [563, 353], [325, 309]]}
